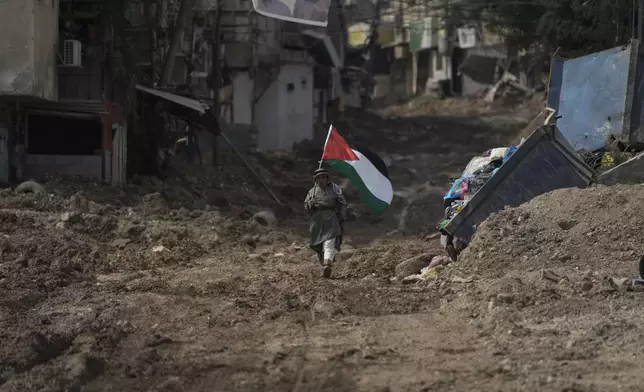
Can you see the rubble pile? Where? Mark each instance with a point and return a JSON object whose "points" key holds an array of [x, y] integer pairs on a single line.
{"points": [[200, 281], [567, 230]]}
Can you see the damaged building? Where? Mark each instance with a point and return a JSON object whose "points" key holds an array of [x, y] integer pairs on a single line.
{"points": [[65, 109], [55, 113]]}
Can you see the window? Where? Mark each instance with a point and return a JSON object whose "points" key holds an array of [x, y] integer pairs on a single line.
{"points": [[63, 135]]}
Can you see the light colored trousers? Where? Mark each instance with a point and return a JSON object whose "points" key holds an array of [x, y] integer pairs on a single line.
{"points": [[330, 254]]}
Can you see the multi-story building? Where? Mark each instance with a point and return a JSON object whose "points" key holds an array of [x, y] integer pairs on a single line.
{"points": [[55, 94]]}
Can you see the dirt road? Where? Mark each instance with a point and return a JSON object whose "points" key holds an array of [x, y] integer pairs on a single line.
{"points": [[154, 290]]}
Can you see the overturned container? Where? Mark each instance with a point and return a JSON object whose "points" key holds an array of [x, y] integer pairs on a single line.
{"points": [[543, 163]]}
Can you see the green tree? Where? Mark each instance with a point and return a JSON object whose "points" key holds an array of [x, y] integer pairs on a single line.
{"points": [[577, 27]]}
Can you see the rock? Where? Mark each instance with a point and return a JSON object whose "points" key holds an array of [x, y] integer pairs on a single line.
{"points": [[160, 249], [31, 187], [458, 279], [506, 298], [265, 218], [81, 367], [154, 202], [120, 243], [255, 258], [412, 279], [69, 217], [249, 240], [79, 203], [551, 276], [413, 265], [567, 224], [128, 229], [347, 253], [587, 285]]}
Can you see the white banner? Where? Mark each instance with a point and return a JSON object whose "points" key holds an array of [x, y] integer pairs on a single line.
{"points": [[309, 12], [466, 37]]}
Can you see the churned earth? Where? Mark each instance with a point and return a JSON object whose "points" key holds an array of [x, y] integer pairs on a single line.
{"points": [[177, 285]]}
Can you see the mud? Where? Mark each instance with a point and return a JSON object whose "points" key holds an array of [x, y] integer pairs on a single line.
{"points": [[173, 286]]}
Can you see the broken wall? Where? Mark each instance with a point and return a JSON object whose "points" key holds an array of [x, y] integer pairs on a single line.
{"points": [[46, 48], [17, 72], [284, 114], [28, 46]]}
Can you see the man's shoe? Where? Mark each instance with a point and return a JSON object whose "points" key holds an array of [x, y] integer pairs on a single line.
{"points": [[326, 270]]}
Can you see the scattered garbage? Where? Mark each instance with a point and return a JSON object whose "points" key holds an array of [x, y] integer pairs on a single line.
{"points": [[618, 283], [420, 268], [476, 174], [509, 177]]}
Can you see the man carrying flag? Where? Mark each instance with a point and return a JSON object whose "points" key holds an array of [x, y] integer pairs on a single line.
{"points": [[326, 203]]}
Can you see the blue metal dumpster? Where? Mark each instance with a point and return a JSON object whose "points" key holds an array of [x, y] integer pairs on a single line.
{"points": [[543, 163], [600, 97]]}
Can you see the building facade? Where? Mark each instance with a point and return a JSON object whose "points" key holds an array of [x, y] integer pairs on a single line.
{"points": [[55, 109]]}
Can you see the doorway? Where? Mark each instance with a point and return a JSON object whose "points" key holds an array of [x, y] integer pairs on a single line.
{"points": [[458, 55]]}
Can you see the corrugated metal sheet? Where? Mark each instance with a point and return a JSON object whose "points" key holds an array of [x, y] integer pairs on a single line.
{"points": [[590, 95], [178, 99]]}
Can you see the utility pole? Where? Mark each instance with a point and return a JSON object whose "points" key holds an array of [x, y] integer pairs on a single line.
{"points": [[640, 15], [216, 83], [177, 40], [371, 50]]}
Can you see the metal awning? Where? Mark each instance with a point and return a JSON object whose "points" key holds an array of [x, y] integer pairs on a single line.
{"points": [[321, 48], [177, 99]]}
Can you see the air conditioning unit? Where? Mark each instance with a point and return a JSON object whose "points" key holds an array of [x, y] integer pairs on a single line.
{"points": [[72, 53]]}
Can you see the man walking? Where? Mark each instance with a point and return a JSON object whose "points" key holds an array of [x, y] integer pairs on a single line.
{"points": [[328, 209]]}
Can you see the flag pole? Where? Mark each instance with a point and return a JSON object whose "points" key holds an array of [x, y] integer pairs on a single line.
{"points": [[325, 142]]}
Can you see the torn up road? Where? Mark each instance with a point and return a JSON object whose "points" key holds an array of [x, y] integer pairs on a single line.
{"points": [[152, 288]]}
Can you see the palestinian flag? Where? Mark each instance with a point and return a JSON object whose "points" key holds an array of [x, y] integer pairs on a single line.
{"points": [[362, 167]]}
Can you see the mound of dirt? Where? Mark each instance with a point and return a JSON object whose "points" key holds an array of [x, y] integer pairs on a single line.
{"points": [[596, 229], [379, 260]]}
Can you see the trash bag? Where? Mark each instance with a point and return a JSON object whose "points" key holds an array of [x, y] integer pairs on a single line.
{"points": [[498, 153], [456, 191], [476, 163], [509, 152]]}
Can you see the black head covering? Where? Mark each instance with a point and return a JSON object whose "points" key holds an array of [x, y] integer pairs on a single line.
{"points": [[320, 172]]}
